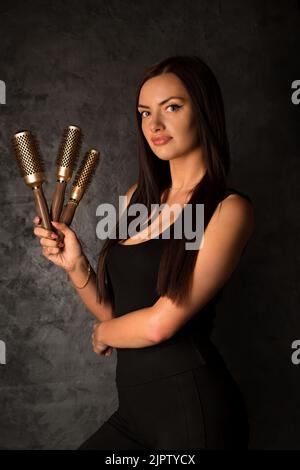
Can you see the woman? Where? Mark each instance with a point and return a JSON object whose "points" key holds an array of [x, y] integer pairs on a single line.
{"points": [[155, 298]]}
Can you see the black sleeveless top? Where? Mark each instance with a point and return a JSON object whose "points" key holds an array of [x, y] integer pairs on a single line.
{"points": [[132, 274]]}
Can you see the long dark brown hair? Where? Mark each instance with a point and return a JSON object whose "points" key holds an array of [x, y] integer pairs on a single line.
{"points": [[177, 263]]}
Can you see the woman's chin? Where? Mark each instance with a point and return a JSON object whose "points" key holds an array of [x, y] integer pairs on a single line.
{"points": [[165, 156]]}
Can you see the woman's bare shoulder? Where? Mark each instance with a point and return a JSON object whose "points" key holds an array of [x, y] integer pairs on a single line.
{"points": [[238, 209]]}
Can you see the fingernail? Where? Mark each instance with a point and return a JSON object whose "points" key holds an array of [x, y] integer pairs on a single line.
{"points": [[53, 235]]}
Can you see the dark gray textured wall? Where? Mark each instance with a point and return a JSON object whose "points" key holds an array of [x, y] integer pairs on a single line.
{"points": [[79, 62]]}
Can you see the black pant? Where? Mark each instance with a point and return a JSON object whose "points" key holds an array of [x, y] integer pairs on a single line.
{"points": [[200, 408]]}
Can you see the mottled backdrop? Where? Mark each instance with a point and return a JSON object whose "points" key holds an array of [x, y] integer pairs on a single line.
{"points": [[79, 62]]}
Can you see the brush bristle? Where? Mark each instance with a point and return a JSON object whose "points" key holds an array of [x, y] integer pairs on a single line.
{"points": [[87, 169], [27, 153], [69, 147]]}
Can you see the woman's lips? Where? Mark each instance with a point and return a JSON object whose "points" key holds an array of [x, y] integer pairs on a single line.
{"points": [[161, 140]]}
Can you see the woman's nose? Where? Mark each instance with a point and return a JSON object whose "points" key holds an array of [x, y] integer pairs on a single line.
{"points": [[156, 124]]}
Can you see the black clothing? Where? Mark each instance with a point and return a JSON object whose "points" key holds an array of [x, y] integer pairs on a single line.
{"points": [[177, 394]]}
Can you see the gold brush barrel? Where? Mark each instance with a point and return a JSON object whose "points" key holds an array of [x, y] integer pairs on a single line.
{"points": [[32, 170], [66, 160], [80, 185]]}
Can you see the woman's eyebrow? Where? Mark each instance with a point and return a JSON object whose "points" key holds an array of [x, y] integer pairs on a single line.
{"points": [[163, 102]]}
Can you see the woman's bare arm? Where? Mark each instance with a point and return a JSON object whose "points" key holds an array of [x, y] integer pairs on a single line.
{"points": [[102, 311]]}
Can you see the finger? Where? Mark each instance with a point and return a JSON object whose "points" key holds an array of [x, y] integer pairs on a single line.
{"points": [[51, 243], [100, 347], [42, 232], [107, 351], [61, 227], [37, 220], [48, 251]]}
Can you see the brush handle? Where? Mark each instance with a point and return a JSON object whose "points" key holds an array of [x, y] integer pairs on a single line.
{"points": [[42, 210], [58, 200], [68, 213]]}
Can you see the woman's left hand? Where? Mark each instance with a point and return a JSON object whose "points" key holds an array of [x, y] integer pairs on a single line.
{"points": [[100, 348]]}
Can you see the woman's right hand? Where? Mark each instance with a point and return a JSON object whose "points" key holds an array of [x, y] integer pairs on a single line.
{"points": [[64, 254]]}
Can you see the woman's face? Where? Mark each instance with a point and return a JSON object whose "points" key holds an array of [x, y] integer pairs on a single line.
{"points": [[173, 118]]}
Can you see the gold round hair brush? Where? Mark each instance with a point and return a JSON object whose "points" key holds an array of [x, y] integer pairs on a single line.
{"points": [[66, 160], [32, 170], [81, 182]]}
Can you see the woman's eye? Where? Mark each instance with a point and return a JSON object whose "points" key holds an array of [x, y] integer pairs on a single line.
{"points": [[173, 106]]}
